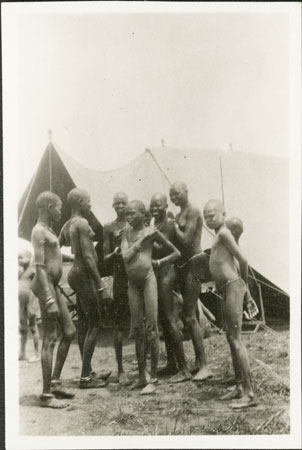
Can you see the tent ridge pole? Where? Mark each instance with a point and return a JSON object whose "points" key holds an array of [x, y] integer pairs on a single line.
{"points": [[50, 169], [158, 165], [221, 178]]}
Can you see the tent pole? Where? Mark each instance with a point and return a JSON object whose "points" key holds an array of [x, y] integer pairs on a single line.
{"points": [[221, 177], [158, 165], [50, 169]]}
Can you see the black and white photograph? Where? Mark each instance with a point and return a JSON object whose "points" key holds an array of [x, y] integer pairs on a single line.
{"points": [[152, 224]]}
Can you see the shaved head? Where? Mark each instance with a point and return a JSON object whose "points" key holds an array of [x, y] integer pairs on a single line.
{"points": [[138, 205], [179, 194], [24, 254], [120, 196], [235, 225], [76, 195], [159, 197], [47, 198], [179, 186], [217, 205]]}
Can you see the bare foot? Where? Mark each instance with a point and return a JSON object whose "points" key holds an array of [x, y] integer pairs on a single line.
{"points": [[102, 376], [181, 377], [48, 401], [60, 393], [92, 383], [245, 402], [149, 389], [203, 374], [123, 379], [167, 371], [194, 370], [138, 384], [237, 392], [147, 376], [34, 359]]}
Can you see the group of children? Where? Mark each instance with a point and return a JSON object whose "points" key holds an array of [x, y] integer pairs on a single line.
{"points": [[151, 265]]}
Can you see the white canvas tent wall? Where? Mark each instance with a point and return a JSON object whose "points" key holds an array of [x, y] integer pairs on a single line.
{"points": [[253, 187]]}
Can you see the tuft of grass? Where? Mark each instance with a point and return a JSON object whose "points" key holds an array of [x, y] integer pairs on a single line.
{"points": [[126, 418], [233, 424]]}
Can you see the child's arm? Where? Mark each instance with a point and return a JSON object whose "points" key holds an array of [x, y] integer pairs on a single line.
{"points": [[62, 236], [128, 253], [107, 250], [85, 244], [174, 253], [38, 241], [185, 237], [227, 239]]}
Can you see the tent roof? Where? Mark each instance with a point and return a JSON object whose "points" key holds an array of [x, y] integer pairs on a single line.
{"points": [[253, 187]]}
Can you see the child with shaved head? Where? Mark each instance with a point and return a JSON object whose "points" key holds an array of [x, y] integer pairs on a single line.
{"points": [[233, 287], [85, 280], [113, 232], [137, 243], [48, 263], [27, 316]]}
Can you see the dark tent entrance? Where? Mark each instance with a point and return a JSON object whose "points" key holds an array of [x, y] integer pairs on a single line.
{"points": [[51, 175]]}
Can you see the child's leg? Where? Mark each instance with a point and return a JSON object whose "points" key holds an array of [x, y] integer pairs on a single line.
{"points": [[35, 334], [68, 333], [151, 308], [235, 292], [190, 296], [138, 330], [23, 325]]}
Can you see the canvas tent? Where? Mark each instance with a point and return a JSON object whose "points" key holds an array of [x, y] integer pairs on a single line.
{"points": [[253, 187]]}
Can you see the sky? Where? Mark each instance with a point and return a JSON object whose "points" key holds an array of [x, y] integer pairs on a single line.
{"points": [[110, 85]]}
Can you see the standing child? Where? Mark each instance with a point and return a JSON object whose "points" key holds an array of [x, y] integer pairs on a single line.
{"points": [[233, 287], [27, 316], [136, 249]]}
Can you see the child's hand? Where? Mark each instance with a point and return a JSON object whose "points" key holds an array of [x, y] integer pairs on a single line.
{"points": [[155, 263], [151, 232], [250, 307]]}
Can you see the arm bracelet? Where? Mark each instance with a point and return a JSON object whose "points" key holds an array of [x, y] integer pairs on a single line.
{"points": [[100, 289], [49, 301]]}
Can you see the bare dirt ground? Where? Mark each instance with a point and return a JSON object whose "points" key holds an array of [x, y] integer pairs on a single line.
{"points": [[175, 409]]}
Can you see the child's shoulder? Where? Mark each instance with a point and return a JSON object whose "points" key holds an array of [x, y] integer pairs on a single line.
{"points": [[224, 233]]}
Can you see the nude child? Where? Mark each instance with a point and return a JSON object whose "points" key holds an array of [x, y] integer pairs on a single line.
{"points": [[113, 232], [27, 315], [48, 263], [136, 248], [85, 280], [225, 253]]}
